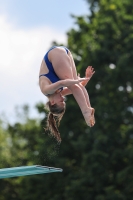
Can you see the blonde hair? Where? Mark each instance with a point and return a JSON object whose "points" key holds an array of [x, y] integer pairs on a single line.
{"points": [[53, 120]]}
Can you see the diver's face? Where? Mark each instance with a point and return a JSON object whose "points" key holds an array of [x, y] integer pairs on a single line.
{"points": [[58, 99]]}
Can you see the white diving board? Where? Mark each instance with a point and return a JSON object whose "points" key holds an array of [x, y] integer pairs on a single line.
{"points": [[27, 170]]}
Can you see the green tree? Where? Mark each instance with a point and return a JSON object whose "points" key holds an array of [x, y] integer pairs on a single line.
{"points": [[104, 40], [97, 162], [25, 143]]}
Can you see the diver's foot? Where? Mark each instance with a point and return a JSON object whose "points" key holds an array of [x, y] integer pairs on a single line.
{"points": [[89, 117]]}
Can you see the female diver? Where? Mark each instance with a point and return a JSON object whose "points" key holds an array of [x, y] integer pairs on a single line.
{"points": [[58, 78]]}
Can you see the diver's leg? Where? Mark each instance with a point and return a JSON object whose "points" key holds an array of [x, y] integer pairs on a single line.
{"points": [[63, 68]]}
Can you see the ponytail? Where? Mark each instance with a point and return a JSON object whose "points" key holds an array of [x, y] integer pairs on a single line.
{"points": [[53, 120]]}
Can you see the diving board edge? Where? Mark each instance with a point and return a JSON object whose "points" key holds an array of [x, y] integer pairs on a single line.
{"points": [[27, 170]]}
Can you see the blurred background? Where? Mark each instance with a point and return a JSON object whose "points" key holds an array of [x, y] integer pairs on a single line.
{"points": [[27, 30], [97, 163]]}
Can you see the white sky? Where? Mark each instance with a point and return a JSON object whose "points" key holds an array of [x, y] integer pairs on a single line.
{"points": [[27, 29]]}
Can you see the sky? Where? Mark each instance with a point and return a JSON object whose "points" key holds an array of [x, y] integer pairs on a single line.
{"points": [[27, 29]]}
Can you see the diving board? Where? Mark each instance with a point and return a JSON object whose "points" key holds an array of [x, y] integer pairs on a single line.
{"points": [[26, 170]]}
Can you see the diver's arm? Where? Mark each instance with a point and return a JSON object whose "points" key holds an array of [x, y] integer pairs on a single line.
{"points": [[52, 88]]}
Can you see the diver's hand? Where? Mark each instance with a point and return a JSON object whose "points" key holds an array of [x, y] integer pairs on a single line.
{"points": [[88, 74]]}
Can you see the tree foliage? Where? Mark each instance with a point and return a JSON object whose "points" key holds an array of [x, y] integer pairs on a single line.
{"points": [[97, 162]]}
